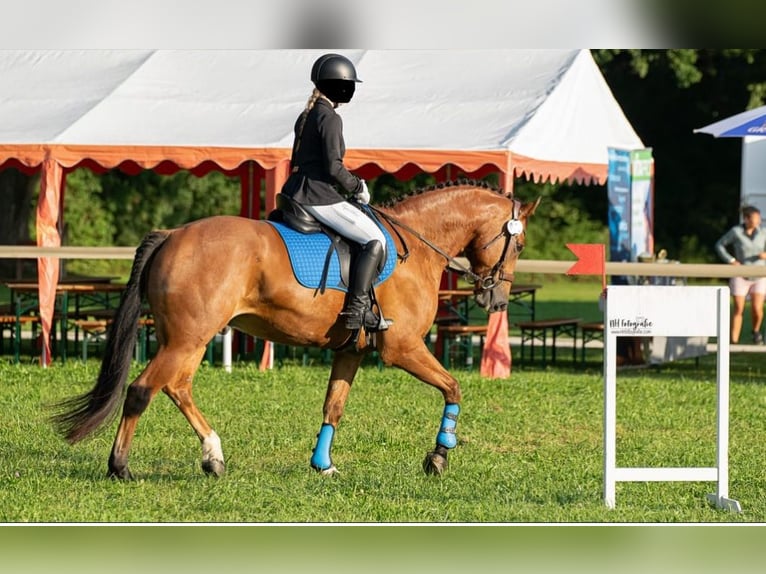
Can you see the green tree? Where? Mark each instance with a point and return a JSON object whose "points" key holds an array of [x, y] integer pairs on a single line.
{"points": [[563, 216], [118, 209], [666, 94], [87, 222], [149, 201]]}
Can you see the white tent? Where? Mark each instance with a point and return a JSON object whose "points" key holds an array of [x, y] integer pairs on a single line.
{"points": [[546, 114]]}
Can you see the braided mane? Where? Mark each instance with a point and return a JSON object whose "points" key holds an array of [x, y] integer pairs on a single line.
{"points": [[453, 183]]}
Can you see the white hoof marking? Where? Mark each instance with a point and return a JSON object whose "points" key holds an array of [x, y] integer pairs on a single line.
{"points": [[211, 448]]}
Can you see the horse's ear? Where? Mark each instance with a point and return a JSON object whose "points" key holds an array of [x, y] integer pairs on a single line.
{"points": [[529, 208]]}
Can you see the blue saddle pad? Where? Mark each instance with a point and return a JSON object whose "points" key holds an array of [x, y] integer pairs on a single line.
{"points": [[308, 253]]}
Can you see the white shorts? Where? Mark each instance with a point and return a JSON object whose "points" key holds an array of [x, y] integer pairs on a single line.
{"points": [[741, 287]]}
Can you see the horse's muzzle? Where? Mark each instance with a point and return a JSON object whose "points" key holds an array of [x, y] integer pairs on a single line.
{"points": [[492, 300]]}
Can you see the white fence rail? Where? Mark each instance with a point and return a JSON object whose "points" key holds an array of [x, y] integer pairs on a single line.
{"points": [[541, 266]]}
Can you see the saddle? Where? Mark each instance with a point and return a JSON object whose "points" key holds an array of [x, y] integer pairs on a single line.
{"points": [[321, 258], [293, 214]]}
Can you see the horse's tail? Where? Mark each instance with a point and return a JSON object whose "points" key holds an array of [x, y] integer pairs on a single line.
{"points": [[81, 415]]}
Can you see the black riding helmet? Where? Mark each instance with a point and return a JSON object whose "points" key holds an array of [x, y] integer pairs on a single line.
{"points": [[335, 76]]}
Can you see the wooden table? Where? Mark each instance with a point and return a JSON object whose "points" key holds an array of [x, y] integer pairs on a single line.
{"points": [[456, 305], [458, 302], [523, 295], [99, 294]]}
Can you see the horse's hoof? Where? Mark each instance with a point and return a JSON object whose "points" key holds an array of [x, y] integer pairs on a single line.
{"points": [[214, 467], [330, 471], [435, 463], [119, 474]]}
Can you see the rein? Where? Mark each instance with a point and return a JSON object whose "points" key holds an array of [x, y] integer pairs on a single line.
{"points": [[511, 229], [451, 260]]}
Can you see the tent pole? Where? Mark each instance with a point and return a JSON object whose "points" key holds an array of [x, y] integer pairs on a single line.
{"points": [[250, 207], [245, 200], [250, 191], [275, 179], [61, 221], [507, 175]]}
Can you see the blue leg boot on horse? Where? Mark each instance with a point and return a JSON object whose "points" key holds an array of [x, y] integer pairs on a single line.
{"points": [[320, 457], [436, 461]]}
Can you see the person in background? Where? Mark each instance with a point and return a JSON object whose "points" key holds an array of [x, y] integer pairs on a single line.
{"points": [[745, 244], [321, 184]]}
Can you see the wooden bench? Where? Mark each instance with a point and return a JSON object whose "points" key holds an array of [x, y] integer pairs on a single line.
{"points": [[590, 332], [8, 323], [93, 332], [532, 331], [102, 314], [460, 337]]}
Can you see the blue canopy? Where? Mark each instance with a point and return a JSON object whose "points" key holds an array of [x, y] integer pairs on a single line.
{"points": [[749, 123]]}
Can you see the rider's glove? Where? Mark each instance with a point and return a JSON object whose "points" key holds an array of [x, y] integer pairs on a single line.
{"points": [[363, 195]]}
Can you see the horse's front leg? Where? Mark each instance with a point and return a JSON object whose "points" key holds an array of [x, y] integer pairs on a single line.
{"points": [[344, 368], [417, 360]]}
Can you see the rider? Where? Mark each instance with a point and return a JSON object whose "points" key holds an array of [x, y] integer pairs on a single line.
{"points": [[319, 180]]}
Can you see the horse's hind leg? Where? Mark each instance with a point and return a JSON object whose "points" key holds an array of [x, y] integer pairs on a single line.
{"points": [[166, 371], [344, 368], [140, 393], [180, 392]]}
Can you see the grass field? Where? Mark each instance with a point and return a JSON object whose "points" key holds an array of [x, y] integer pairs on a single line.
{"points": [[530, 449]]}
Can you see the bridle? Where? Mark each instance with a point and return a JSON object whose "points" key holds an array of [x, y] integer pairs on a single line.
{"points": [[512, 229]]}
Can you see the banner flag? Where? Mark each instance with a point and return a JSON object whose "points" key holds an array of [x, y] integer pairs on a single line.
{"points": [[591, 260], [496, 354]]}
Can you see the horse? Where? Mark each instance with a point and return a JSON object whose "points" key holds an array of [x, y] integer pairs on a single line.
{"points": [[228, 270]]}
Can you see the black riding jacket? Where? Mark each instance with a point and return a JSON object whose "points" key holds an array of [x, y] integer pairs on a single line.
{"points": [[318, 175]]}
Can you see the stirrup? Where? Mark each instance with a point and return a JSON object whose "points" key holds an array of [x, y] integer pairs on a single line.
{"points": [[383, 324], [355, 320]]}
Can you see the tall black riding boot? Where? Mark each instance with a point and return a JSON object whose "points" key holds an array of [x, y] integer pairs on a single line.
{"points": [[358, 312]]}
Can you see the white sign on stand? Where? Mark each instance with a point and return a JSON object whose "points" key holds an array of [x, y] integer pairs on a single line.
{"points": [[648, 310]]}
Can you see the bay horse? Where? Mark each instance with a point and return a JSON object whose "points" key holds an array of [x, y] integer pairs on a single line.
{"points": [[227, 270]]}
